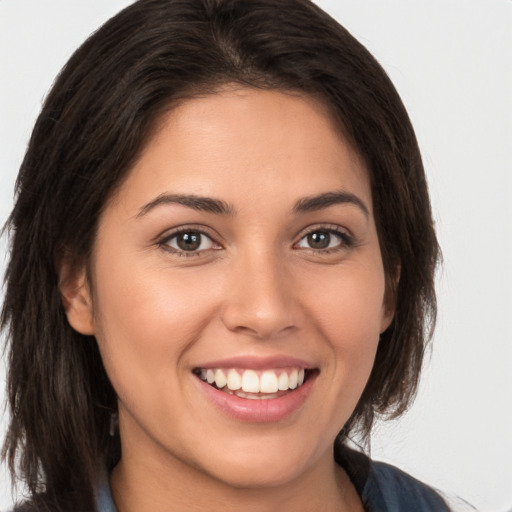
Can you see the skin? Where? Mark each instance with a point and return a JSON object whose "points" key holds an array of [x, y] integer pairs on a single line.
{"points": [[256, 288]]}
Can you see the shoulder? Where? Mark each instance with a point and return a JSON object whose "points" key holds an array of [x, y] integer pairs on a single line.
{"points": [[40, 503], [385, 488], [393, 482], [74, 502], [400, 491]]}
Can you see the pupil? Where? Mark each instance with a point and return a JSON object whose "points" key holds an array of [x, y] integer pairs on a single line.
{"points": [[319, 240], [189, 241]]}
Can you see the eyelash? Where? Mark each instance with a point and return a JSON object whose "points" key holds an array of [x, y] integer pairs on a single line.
{"points": [[346, 240], [164, 242]]}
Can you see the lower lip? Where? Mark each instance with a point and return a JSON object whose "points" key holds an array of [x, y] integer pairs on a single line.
{"points": [[259, 410]]}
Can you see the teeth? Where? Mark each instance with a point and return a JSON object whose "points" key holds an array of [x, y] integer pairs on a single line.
{"points": [[249, 381], [220, 379], [292, 379], [268, 382], [282, 382], [234, 380]]}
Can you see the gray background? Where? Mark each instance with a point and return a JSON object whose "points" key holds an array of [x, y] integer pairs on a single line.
{"points": [[451, 62]]}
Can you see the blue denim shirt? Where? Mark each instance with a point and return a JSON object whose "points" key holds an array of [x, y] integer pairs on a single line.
{"points": [[104, 501]]}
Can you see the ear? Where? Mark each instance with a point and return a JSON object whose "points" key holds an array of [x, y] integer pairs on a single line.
{"points": [[389, 305], [387, 318], [76, 297]]}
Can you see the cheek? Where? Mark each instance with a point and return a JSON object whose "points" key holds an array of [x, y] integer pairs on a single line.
{"points": [[349, 305], [348, 314], [145, 320]]}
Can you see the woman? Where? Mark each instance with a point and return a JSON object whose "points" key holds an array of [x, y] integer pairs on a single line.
{"points": [[222, 266]]}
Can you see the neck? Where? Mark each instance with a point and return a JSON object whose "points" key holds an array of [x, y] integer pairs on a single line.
{"points": [[149, 486]]}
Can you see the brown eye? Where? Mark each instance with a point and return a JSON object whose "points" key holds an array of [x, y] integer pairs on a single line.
{"points": [[323, 239], [319, 240], [190, 241]]}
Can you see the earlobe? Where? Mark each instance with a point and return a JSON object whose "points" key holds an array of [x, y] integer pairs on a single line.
{"points": [[76, 298], [387, 317], [390, 296]]}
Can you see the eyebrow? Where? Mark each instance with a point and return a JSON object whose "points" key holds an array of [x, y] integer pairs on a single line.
{"points": [[219, 207], [314, 203], [204, 204]]}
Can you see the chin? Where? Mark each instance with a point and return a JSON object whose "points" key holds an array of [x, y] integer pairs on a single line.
{"points": [[259, 474], [261, 465]]}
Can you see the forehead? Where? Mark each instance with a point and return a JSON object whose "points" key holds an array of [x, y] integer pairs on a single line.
{"points": [[244, 138]]}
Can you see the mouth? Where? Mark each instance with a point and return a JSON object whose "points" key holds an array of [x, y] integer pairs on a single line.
{"points": [[255, 384]]}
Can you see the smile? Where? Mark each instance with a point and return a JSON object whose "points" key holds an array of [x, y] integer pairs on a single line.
{"points": [[253, 384]]}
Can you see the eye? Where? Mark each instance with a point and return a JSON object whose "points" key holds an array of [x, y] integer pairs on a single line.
{"points": [[324, 239], [189, 241]]}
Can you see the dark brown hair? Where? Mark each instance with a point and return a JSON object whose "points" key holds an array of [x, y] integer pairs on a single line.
{"points": [[94, 122]]}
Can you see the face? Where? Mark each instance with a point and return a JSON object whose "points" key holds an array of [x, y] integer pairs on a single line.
{"points": [[238, 289]]}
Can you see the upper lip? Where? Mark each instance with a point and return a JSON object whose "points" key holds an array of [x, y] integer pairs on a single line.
{"points": [[258, 363]]}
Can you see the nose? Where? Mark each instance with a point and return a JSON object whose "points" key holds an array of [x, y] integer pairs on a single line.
{"points": [[260, 299]]}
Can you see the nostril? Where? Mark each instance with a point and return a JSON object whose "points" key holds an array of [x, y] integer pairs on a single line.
{"points": [[259, 307], [260, 327]]}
